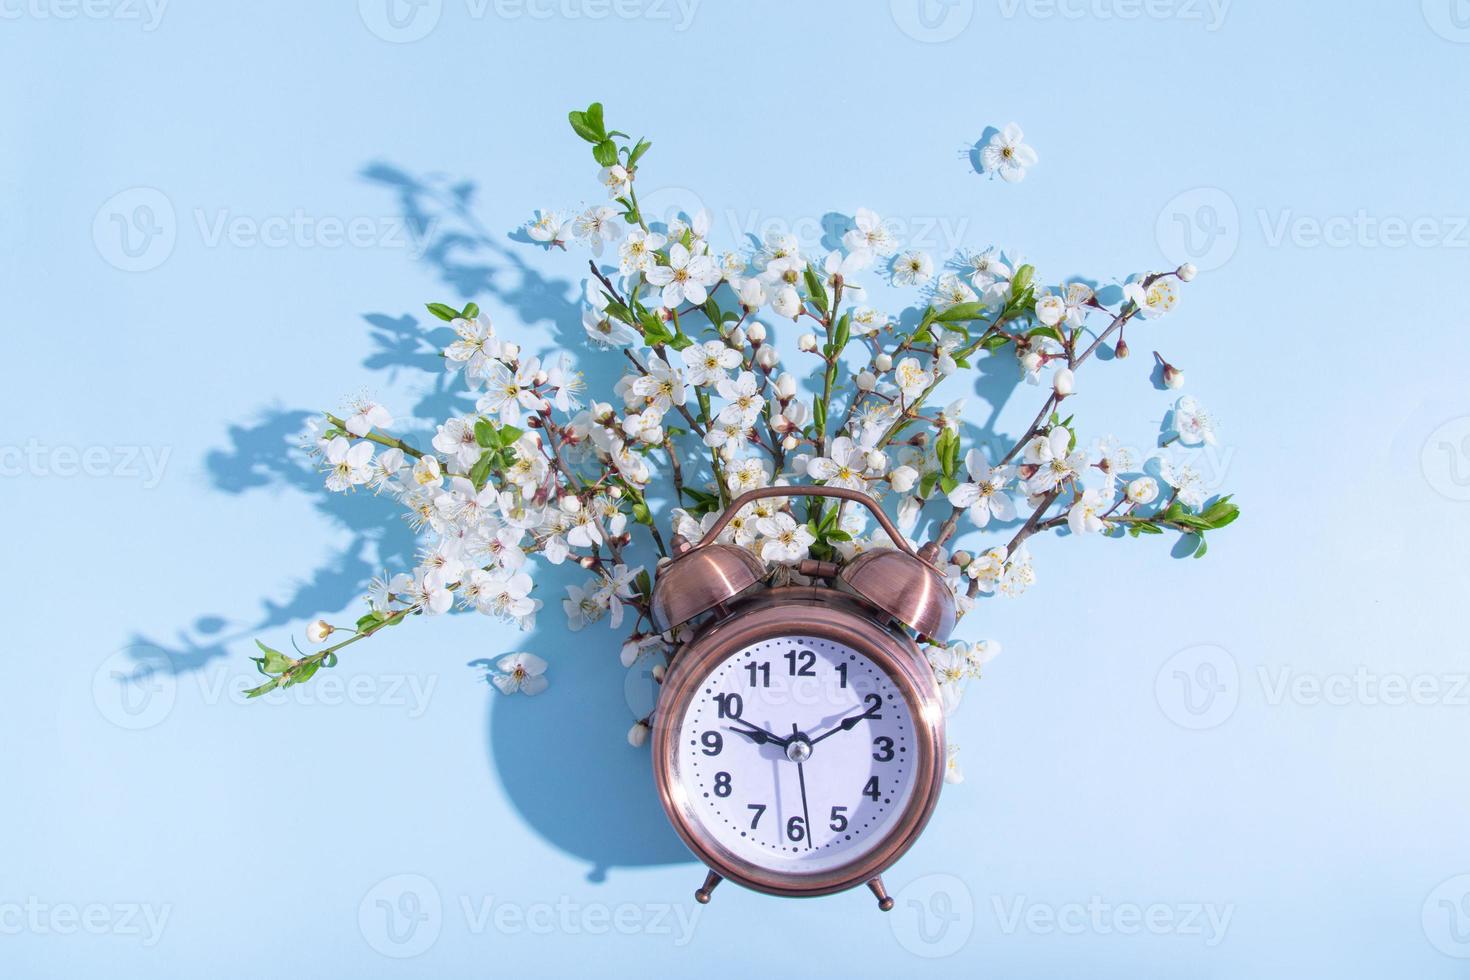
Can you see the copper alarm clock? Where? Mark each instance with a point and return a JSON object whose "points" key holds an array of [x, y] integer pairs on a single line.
{"points": [[798, 743]]}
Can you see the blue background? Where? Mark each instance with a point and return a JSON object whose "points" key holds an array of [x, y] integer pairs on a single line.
{"points": [[1131, 747]]}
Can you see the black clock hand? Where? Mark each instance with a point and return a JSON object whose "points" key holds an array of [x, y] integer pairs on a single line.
{"points": [[806, 817], [849, 723], [757, 734]]}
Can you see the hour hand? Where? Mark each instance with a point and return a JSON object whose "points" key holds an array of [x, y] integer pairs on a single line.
{"points": [[757, 734]]}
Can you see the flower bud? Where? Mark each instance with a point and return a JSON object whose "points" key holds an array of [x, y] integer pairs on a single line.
{"points": [[318, 630], [510, 351], [790, 443], [737, 337], [658, 673], [540, 377], [756, 332], [615, 492], [1063, 382], [1121, 350], [883, 362], [1173, 377], [1143, 490], [866, 381], [962, 558], [1030, 362], [807, 342], [785, 386], [570, 504], [877, 462], [767, 357], [638, 734], [902, 478], [1186, 272]]}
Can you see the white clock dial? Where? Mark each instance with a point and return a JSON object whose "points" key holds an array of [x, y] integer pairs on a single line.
{"points": [[797, 754]]}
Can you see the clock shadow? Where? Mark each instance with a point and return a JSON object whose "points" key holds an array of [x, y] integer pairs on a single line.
{"points": [[563, 760]]}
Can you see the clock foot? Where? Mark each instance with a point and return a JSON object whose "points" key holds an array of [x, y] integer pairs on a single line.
{"points": [[885, 902], [710, 881]]}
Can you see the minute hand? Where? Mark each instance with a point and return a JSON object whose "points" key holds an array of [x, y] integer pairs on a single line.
{"points": [[848, 724]]}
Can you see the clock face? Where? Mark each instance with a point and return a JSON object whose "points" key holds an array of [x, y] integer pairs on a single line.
{"points": [[798, 754]]}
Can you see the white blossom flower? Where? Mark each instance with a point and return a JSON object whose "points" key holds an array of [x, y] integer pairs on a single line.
{"points": [[636, 253], [366, 416], [1185, 480], [950, 291], [565, 384], [509, 394], [616, 179], [583, 605], [752, 294], [784, 539], [951, 671], [1085, 516], [645, 426], [1055, 463], [1153, 300], [597, 226], [787, 302], [549, 228], [952, 772], [1192, 423], [386, 469], [843, 466], [605, 330], [1050, 309], [475, 350], [912, 378], [743, 400], [709, 362], [1143, 490], [506, 594], [987, 568], [1018, 575], [524, 672], [349, 464], [750, 473], [686, 278], [663, 386], [867, 321], [912, 268], [1006, 155], [428, 594], [987, 271], [986, 496], [870, 234]]}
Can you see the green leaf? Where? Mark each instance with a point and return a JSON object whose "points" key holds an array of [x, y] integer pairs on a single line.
{"points": [[638, 151], [1045, 331], [445, 313], [1021, 281], [594, 117], [1203, 547], [995, 341], [486, 435], [605, 153], [962, 311], [471, 311], [843, 333], [275, 661], [947, 484], [926, 485], [584, 128], [679, 341], [814, 288], [480, 472], [508, 435], [641, 513]]}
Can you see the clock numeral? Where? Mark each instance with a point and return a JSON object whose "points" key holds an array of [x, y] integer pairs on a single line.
{"points": [[842, 673], [730, 705], [884, 748], [808, 663], [760, 809], [714, 742], [874, 702], [839, 819], [795, 830], [764, 670], [722, 785], [871, 789]]}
